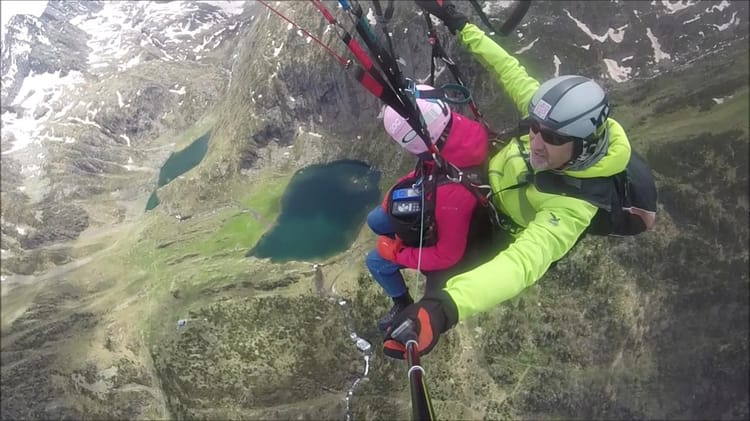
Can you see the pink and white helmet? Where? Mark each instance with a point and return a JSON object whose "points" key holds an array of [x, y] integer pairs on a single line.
{"points": [[436, 114]]}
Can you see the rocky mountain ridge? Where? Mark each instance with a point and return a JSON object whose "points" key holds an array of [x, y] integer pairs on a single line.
{"points": [[88, 89]]}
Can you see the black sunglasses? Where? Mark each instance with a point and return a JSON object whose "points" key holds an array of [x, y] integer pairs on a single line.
{"points": [[549, 136]]}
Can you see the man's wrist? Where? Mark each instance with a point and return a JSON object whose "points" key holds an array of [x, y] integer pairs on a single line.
{"points": [[447, 307], [457, 26]]}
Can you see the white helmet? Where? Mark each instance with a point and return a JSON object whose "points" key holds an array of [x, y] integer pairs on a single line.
{"points": [[572, 106]]}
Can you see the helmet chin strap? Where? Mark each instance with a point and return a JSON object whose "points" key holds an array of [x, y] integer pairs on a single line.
{"points": [[577, 151], [588, 155], [425, 156], [433, 149]]}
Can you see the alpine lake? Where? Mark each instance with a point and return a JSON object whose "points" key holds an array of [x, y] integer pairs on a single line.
{"points": [[179, 163], [322, 208]]}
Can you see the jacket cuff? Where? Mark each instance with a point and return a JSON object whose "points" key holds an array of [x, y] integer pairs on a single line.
{"points": [[457, 24], [450, 311]]}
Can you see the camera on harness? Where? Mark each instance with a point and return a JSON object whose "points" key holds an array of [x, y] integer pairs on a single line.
{"points": [[406, 202]]}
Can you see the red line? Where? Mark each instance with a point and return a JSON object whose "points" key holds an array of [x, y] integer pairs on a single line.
{"points": [[341, 60]]}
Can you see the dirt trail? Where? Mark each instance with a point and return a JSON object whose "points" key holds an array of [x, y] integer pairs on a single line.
{"points": [[87, 237], [52, 273]]}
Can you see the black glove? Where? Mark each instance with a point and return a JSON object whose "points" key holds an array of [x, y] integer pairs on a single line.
{"points": [[445, 11], [433, 316]]}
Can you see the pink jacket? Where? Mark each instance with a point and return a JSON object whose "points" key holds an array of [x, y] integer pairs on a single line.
{"points": [[465, 146]]}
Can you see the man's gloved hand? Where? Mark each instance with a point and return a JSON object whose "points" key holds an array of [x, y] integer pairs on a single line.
{"points": [[430, 321], [445, 11], [389, 247]]}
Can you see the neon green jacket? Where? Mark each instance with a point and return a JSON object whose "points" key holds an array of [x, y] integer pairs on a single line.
{"points": [[550, 223]]}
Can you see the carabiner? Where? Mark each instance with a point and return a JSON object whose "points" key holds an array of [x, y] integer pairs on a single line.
{"points": [[462, 90]]}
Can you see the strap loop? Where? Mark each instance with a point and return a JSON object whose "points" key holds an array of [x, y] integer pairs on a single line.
{"points": [[452, 93]]}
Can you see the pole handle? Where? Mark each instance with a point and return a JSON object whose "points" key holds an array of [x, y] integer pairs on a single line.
{"points": [[405, 332]]}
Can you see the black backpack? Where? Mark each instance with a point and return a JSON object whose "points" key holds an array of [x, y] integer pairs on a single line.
{"points": [[633, 206], [626, 201]]}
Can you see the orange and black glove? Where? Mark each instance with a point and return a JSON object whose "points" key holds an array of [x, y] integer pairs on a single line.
{"points": [[445, 11], [389, 247], [432, 316]]}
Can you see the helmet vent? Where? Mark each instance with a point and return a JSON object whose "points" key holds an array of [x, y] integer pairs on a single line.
{"points": [[553, 95]]}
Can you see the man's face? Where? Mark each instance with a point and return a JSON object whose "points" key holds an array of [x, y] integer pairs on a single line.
{"points": [[545, 156]]}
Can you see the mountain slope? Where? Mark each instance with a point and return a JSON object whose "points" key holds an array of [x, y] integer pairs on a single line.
{"points": [[95, 96]]}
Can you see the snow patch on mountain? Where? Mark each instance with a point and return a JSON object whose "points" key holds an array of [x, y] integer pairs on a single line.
{"points": [[557, 62], [496, 7], [21, 47], [9, 9], [35, 104], [732, 22], [721, 6], [231, 7], [213, 37], [693, 19], [616, 72], [675, 6], [120, 28], [116, 35], [659, 55], [86, 122], [179, 90], [615, 35], [527, 47]]}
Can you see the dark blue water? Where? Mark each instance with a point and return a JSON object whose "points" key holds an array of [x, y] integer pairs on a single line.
{"points": [[179, 163], [153, 201], [322, 210]]}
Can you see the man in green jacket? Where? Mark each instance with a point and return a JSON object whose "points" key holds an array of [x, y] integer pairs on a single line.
{"points": [[570, 133]]}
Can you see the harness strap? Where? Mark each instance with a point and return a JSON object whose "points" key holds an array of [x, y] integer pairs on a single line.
{"points": [[383, 20], [470, 179]]}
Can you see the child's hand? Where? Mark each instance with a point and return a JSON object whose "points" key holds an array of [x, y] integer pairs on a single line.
{"points": [[389, 247]]}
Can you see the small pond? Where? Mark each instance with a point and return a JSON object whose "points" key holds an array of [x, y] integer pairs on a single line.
{"points": [[322, 210]]}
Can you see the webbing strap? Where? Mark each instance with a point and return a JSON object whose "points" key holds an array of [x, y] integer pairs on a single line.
{"points": [[457, 175], [383, 20]]}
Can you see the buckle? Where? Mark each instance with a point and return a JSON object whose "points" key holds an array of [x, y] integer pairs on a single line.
{"points": [[457, 171], [411, 87]]}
